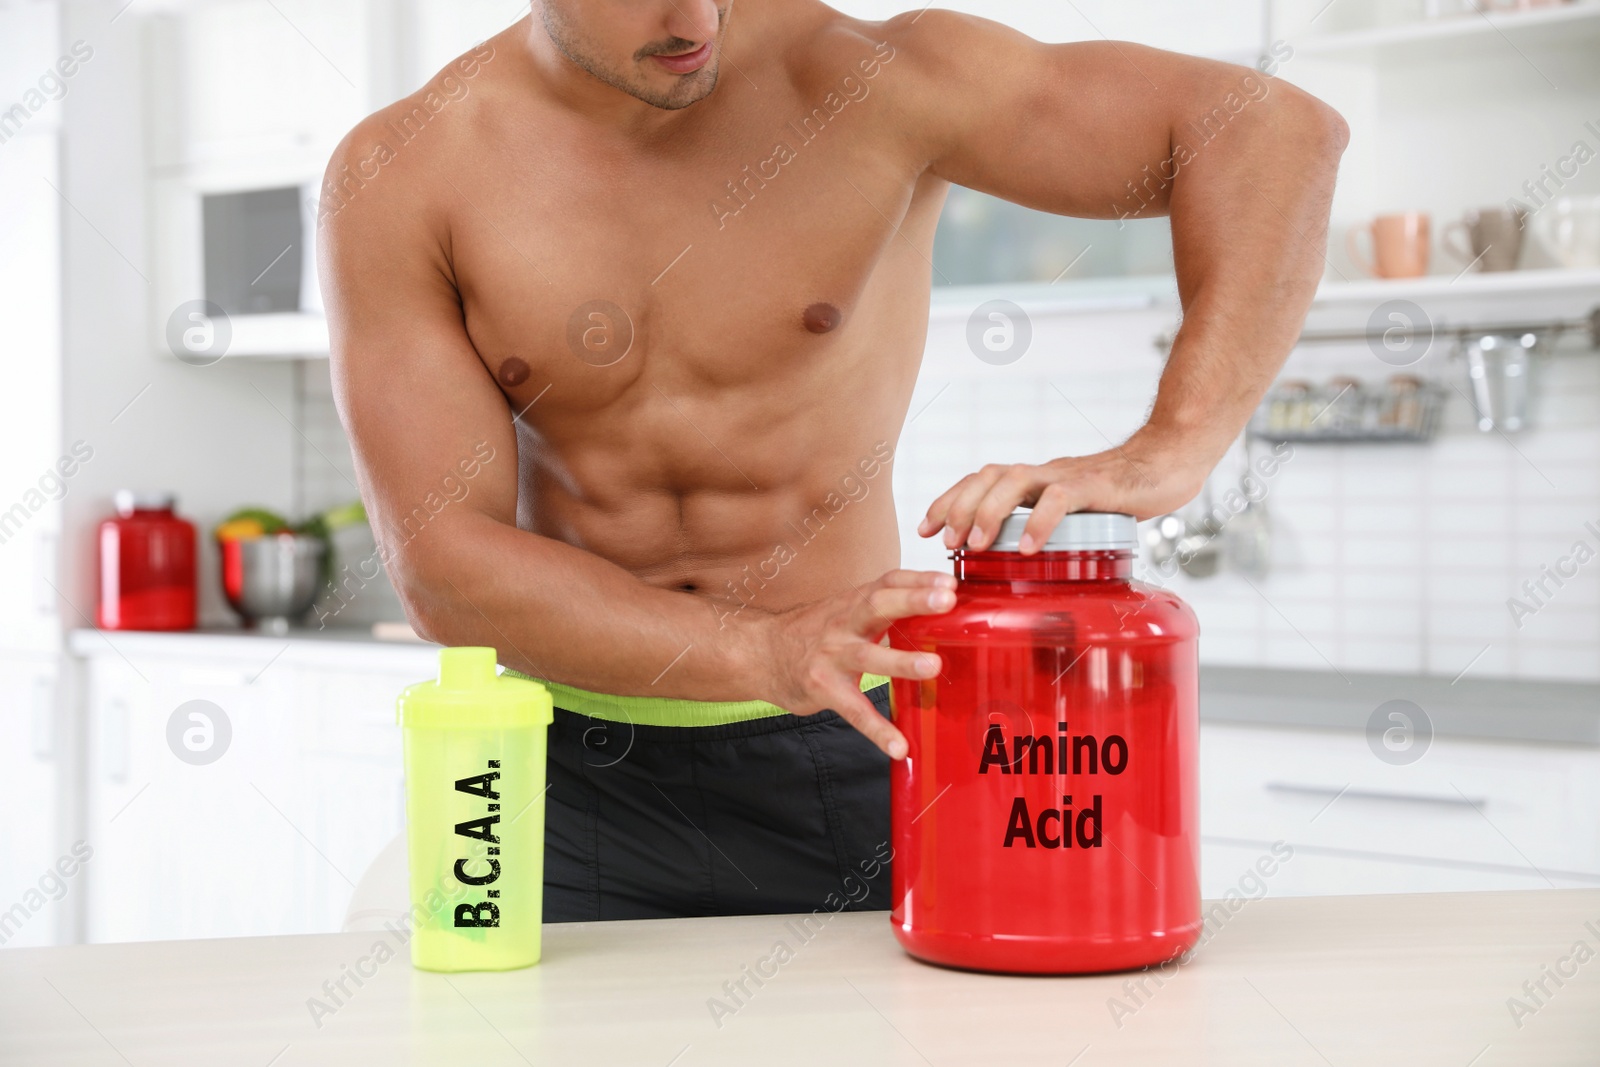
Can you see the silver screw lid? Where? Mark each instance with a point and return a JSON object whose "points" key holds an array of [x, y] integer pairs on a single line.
{"points": [[128, 501], [1081, 531]]}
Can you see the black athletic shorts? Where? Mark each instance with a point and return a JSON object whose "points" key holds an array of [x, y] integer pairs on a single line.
{"points": [[779, 814]]}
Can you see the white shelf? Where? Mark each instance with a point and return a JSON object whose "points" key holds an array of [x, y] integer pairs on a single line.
{"points": [[281, 336], [1473, 301], [1458, 36], [1542, 283], [1081, 296], [1578, 287]]}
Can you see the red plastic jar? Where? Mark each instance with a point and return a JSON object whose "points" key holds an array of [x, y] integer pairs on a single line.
{"points": [[147, 566], [1046, 817]]}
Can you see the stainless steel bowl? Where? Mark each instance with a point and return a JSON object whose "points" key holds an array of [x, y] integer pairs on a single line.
{"points": [[272, 581]]}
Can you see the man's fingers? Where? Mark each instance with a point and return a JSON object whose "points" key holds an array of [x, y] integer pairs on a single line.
{"points": [[940, 507], [939, 510], [958, 519], [1055, 500], [871, 614], [859, 712], [908, 579], [871, 658], [1019, 485]]}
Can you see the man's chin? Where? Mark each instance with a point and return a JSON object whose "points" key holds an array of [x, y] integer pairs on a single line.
{"points": [[686, 89]]}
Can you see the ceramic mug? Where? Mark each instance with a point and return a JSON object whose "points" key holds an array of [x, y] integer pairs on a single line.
{"points": [[1399, 245], [1569, 229], [1488, 239]]}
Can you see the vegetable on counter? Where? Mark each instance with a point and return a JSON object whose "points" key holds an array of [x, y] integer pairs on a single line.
{"points": [[249, 523], [252, 522], [326, 523]]}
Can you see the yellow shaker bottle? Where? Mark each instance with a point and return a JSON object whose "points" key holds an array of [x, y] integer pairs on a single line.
{"points": [[474, 759]]}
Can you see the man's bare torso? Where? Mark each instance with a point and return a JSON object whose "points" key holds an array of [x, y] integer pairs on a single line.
{"points": [[712, 336]]}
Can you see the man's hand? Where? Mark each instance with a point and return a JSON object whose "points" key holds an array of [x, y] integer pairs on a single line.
{"points": [[818, 652], [1141, 478]]}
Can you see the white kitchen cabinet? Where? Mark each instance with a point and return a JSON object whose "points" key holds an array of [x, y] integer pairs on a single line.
{"points": [[251, 79], [187, 850], [245, 82], [30, 45], [351, 792], [1309, 872], [269, 838], [36, 473], [32, 838], [36, 469], [1466, 815]]}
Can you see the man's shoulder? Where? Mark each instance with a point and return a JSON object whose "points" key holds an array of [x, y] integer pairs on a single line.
{"points": [[390, 155], [449, 92], [821, 44], [827, 46]]}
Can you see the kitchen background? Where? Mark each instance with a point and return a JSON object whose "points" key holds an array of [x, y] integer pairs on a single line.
{"points": [[1372, 694]]}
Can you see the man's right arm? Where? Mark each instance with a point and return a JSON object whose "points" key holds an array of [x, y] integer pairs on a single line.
{"points": [[418, 403]]}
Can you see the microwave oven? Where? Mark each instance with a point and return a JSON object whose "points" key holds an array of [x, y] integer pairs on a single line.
{"points": [[237, 266]]}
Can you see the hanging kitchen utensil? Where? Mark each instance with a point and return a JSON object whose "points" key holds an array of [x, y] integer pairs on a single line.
{"points": [[1497, 368], [1247, 540], [1161, 539], [1198, 552]]}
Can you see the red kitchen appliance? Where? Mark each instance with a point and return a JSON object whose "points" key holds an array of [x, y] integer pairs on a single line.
{"points": [[147, 566], [1045, 819]]}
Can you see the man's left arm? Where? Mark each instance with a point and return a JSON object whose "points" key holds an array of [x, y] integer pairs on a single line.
{"points": [[1244, 164]]}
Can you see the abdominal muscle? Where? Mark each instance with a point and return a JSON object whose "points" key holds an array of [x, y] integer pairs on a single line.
{"points": [[827, 530]]}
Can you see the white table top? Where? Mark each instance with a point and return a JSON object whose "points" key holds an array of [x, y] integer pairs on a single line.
{"points": [[1409, 980]]}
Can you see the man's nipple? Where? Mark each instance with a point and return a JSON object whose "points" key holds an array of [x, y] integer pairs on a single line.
{"points": [[514, 372], [821, 318]]}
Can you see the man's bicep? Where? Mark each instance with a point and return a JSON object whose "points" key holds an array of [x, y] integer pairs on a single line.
{"points": [[1062, 128], [431, 432]]}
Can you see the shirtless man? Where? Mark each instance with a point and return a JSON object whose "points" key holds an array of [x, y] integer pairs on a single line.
{"points": [[627, 300]]}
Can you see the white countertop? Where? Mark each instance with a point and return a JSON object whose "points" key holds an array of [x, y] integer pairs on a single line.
{"points": [[336, 646], [1407, 980], [1510, 709]]}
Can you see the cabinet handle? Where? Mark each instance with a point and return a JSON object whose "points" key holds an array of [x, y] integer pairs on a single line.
{"points": [[44, 570], [114, 740], [1372, 794], [44, 718]]}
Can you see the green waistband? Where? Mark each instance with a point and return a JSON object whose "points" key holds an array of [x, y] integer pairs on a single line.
{"points": [[666, 711]]}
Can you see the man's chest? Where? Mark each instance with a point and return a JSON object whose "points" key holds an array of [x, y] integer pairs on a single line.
{"points": [[761, 264]]}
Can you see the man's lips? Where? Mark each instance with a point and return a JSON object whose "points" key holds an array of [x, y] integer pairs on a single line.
{"points": [[689, 61]]}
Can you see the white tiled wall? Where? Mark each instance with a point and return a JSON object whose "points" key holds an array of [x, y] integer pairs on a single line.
{"points": [[1386, 558], [326, 475]]}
